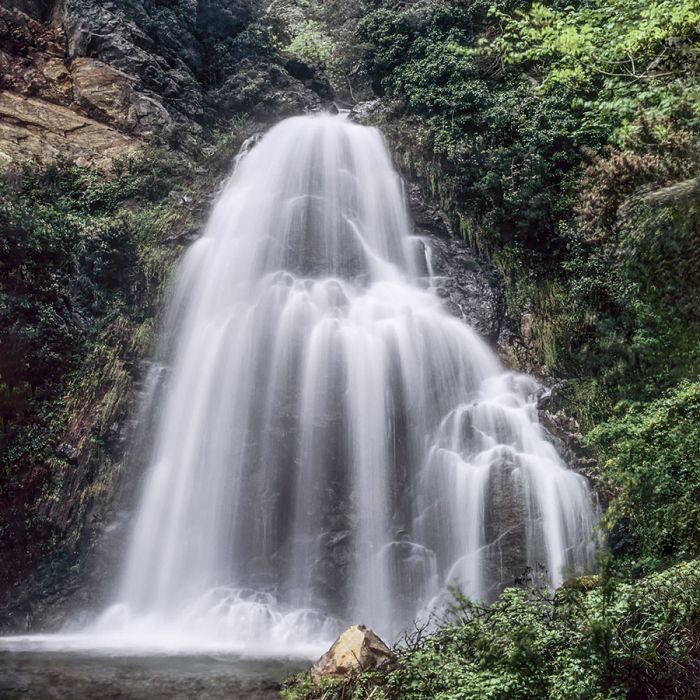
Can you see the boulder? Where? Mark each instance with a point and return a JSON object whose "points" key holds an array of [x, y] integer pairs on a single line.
{"points": [[358, 648]]}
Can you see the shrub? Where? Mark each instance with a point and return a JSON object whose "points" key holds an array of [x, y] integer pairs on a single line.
{"points": [[650, 457]]}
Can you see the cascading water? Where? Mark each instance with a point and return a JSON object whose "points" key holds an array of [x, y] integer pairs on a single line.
{"points": [[333, 447]]}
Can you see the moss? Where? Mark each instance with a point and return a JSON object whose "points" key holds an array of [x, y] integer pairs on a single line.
{"points": [[583, 584]]}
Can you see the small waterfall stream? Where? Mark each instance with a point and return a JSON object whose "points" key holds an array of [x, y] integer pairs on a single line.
{"points": [[332, 447]]}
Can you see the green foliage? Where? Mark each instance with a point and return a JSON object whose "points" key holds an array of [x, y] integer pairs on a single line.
{"points": [[81, 265], [226, 55], [619, 56], [651, 462], [313, 46], [302, 686], [631, 320], [503, 152], [596, 639], [67, 251]]}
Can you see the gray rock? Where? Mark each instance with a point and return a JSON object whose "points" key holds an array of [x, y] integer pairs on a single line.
{"points": [[362, 111], [469, 287], [565, 433]]}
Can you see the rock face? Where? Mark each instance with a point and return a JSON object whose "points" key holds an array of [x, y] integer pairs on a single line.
{"points": [[91, 81], [31, 128], [131, 70], [470, 288], [113, 96], [566, 434], [358, 648]]}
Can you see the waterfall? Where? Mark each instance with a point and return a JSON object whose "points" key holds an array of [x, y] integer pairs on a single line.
{"points": [[332, 446]]}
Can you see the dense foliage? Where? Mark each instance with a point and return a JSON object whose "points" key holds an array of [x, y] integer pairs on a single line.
{"points": [[563, 141], [66, 256], [652, 464], [595, 640], [501, 150], [620, 57]]}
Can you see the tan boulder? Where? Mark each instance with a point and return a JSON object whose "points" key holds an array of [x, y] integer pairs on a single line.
{"points": [[358, 648]]}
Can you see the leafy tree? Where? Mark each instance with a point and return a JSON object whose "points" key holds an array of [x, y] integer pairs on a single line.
{"points": [[651, 462], [621, 57]]}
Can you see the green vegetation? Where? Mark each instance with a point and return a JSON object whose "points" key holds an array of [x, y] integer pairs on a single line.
{"points": [[650, 460], [620, 57], [563, 142], [596, 639], [77, 269], [313, 46]]}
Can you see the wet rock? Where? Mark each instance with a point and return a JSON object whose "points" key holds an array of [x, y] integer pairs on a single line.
{"points": [[505, 522], [311, 78], [264, 90], [358, 648], [68, 451], [565, 433], [121, 38], [362, 111], [470, 288], [222, 18]]}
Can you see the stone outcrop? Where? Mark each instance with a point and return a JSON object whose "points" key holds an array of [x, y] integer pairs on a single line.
{"points": [[470, 288], [357, 649], [131, 71], [566, 434], [56, 103], [32, 57], [111, 95], [32, 128]]}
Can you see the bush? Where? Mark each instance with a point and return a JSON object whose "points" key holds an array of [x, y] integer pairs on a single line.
{"points": [[595, 639], [650, 458]]}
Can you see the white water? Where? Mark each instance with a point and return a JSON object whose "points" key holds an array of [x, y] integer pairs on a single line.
{"points": [[333, 447]]}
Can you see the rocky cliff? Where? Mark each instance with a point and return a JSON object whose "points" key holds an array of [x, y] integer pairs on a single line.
{"points": [[117, 122], [88, 80]]}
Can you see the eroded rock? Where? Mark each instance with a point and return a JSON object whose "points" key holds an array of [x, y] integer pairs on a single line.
{"points": [[111, 95], [32, 128], [358, 648], [470, 288]]}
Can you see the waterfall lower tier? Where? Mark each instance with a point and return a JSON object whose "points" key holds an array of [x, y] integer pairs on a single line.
{"points": [[333, 447]]}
